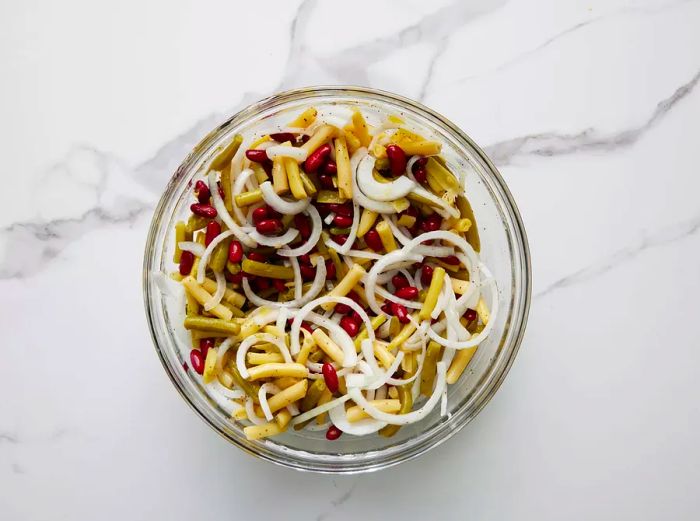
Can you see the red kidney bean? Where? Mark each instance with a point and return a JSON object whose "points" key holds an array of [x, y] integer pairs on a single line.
{"points": [[421, 175], [470, 315], [411, 210], [267, 166], [302, 223], [397, 159], [269, 226], [307, 272], [262, 283], [373, 241], [305, 259], [330, 168], [256, 256], [317, 158], [205, 344], [260, 214], [341, 209], [386, 308], [354, 297], [399, 281], [203, 210], [431, 223], [220, 189], [342, 308], [201, 190], [452, 260], [257, 156], [305, 138], [349, 325], [340, 239], [426, 275], [342, 221], [356, 317], [307, 326], [420, 163], [330, 376], [186, 262], [408, 293], [235, 252], [333, 433], [282, 137], [326, 182], [213, 229], [197, 361], [330, 269], [400, 312], [279, 285]]}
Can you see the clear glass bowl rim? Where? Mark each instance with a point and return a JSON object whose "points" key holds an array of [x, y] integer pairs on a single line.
{"points": [[460, 417]]}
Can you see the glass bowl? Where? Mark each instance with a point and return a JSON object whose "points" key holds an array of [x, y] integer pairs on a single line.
{"points": [[504, 250]]}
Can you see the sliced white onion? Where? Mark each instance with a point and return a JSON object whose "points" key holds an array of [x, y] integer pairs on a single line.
{"points": [[399, 187], [409, 166], [224, 215], [312, 413], [219, 293], [250, 410], [247, 343], [281, 205], [361, 254], [316, 229], [421, 361], [193, 247], [238, 186], [297, 278], [281, 322], [314, 290], [359, 428], [297, 153], [444, 209], [266, 388], [432, 251], [412, 304], [216, 386], [329, 218], [403, 419], [357, 195], [204, 259], [276, 241]]}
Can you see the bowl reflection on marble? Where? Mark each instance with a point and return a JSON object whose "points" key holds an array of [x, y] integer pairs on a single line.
{"points": [[504, 250]]}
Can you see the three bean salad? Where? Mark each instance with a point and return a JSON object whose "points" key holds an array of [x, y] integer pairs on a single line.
{"points": [[332, 276]]}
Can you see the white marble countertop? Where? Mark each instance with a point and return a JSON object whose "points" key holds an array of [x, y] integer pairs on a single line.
{"points": [[590, 109]]}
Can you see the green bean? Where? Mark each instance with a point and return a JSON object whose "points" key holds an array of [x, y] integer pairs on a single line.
{"points": [[196, 222], [224, 157], [472, 234], [219, 256], [201, 323], [406, 400], [263, 269]]}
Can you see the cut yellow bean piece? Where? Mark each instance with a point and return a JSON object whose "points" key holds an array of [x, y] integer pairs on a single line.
{"points": [[367, 220], [400, 204], [305, 119], [427, 376], [386, 236], [394, 326], [421, 148], [226, 379], [406, 220], [393, 393], [285, 382], [175, 275], [263, 269], [265, 430], [322, 135], [307, 345], [313, 395], [247, 198], [472, 234], [294, 178], [381, 351], [433, 293], [264, 358], [259, 172], [309, 185], [208, 324], [224, 157], [408, 364], [376, 322], [328, 346], [326, 397], [462, 225], [230, 296], [288, 396], [460, 286], [406, 331], [180, 235], [459, 364], [202, 296], [340, 267], [360, 128], [355, 413], [279, 176], [346, 285], [483, 311], [227, 187], [277, 370], [283, 418], [240, 414], [210, 366], [329, 197], [196, 222], [352, 141], [342, 160]]}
